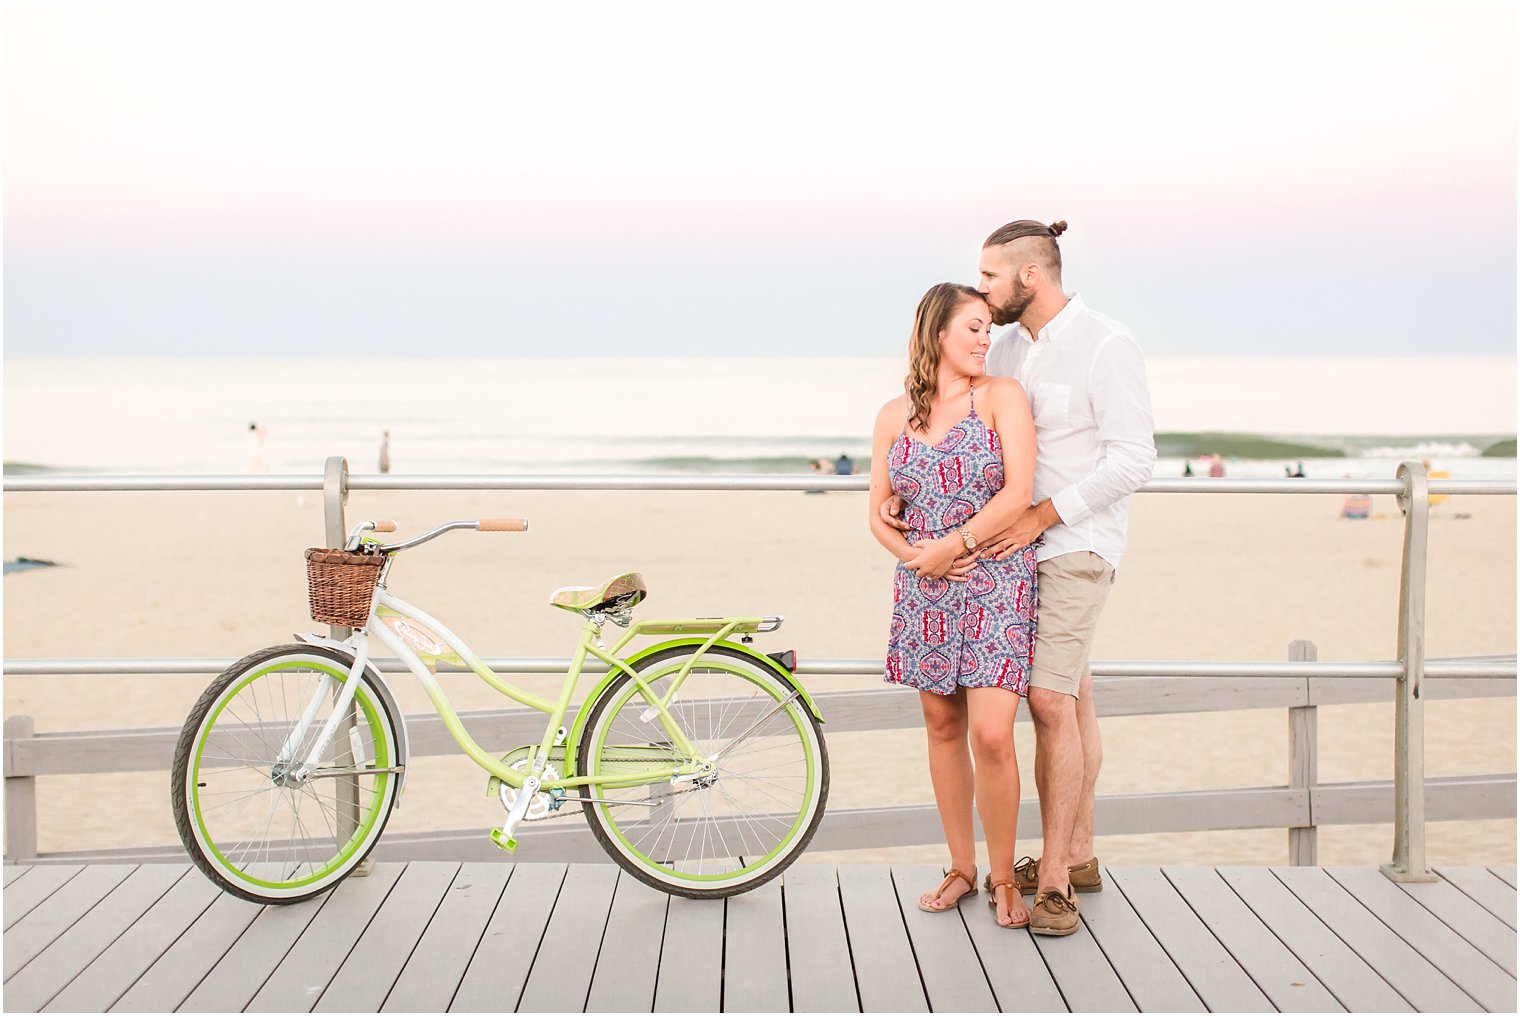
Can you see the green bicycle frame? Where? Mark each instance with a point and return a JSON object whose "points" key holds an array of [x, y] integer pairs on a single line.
{"points": [[421, 642]]}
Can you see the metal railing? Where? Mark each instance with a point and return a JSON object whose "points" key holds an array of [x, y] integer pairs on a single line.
{"points": [[1301, 684]]}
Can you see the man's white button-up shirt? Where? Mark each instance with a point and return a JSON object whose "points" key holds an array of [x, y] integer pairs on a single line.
{"points": [[1094, 435]]}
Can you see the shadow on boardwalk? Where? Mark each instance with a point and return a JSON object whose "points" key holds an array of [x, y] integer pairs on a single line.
{"points": [[435, 936]]}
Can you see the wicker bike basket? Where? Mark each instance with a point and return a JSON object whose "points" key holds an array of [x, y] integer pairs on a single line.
{"points": [[341, 585]]}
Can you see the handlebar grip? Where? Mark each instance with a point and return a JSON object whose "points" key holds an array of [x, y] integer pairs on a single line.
{"points": [[503, 525], [385, 526]]}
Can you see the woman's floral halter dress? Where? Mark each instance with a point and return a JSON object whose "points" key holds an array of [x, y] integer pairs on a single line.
{"points": [[949, 635]]}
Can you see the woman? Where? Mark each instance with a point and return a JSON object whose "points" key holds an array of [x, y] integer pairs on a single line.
{"points": [[958, 448]]}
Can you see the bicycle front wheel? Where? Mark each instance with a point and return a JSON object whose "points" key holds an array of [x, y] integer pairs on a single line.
{"points": [[741, 823], [249, 820]]}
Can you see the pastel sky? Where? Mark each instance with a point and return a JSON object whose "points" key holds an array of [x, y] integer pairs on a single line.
{"points": [[281, 179]]}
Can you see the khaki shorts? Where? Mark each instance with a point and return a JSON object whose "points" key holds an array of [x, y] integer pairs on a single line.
{"points": [[1073, 588]]}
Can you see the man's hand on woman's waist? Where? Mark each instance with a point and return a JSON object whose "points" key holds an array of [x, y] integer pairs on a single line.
{"points": [[1024, 531]]}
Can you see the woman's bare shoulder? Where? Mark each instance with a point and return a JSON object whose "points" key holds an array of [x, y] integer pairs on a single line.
{"points": [[1002, 389]]}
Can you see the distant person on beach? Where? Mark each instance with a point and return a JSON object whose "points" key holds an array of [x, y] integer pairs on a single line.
{"points": [[957, 451], [385, 451], [1187, 469], [1216, 465], [844, 466], [1295, 474], [1086, 380], [256, 460], [816, 466]]}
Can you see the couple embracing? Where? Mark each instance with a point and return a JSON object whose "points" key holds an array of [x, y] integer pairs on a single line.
{"points": [[1000, 480]]}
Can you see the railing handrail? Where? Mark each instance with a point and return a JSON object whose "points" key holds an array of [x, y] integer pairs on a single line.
{"points": [[677, 481], [1457, 667]]}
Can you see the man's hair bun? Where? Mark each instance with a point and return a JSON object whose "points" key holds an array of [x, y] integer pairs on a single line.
{"points": [[1057, 228]]}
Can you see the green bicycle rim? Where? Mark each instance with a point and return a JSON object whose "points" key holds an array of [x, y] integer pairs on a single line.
{"points": [[801, 822], [379, 796]]}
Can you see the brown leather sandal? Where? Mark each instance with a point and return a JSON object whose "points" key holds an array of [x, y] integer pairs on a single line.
{"points": [[992, 888], [951, 876]]}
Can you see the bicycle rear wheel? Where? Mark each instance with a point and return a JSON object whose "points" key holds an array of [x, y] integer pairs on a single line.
{"points": [[247, 821], [721, 835]]}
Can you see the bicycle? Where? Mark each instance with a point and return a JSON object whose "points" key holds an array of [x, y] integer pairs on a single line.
{"points": [[698, 762]]}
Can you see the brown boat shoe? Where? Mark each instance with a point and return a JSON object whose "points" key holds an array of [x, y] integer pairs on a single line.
{"points": [[1054, 913], [1086, 877]]}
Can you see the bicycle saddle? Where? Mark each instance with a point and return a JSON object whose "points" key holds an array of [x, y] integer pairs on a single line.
{"points": [[619, 593]]}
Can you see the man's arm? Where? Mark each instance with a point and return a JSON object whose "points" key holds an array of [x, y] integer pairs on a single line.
{"points": [[1121, 404]]}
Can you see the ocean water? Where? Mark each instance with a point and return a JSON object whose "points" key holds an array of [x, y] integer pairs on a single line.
{"points": [[1356, 417]]}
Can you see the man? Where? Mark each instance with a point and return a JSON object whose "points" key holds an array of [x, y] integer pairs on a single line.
{"points": [[1094, 445]]}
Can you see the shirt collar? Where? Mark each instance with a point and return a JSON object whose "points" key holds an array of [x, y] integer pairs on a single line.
{"points": [[1054, 327]]}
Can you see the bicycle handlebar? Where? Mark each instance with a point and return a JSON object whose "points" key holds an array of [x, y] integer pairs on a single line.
{"points": [[387, 526]]}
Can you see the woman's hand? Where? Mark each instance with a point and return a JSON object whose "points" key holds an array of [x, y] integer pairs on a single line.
{"points": [[944, 558]]}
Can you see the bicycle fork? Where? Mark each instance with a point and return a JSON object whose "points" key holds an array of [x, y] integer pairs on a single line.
{"points": [[343, 703]]}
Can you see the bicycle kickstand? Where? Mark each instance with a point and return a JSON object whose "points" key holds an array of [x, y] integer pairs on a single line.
{"points": [[503, 837]]}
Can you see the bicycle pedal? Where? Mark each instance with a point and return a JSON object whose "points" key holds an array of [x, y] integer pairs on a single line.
{"points": [[505, 842]]}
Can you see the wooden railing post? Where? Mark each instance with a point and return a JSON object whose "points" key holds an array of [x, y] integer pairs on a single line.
{"points": [[334, 501], [20, 797], [1408, 864], [1303, 761]]}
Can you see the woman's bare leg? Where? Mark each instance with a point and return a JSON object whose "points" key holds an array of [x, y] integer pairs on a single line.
{"points": [[950, 773], [991, 713]]}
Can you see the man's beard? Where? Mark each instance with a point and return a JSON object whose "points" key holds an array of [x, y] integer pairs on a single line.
{"points": [[1017, 303]]}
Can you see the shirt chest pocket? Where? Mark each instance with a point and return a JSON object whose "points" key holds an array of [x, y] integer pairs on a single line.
{"points": [[1052, 405]]}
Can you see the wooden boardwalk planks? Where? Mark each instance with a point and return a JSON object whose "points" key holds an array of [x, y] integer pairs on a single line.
{"points": [[431, 974], [878, 942], [754, 952], [1153, 983], [433, 936], [561, 975], [823, 974], [624, 980], [1488, 983], [1464, 915], [1088, 982], [1484, 888], [1355, 985], [120, 966], [1276, 971], [691, 962], [55, 915], [497, 973], [301, 977], [367, 974], [1208, 966], [1409, 973], [176, 973], [58, 964], [951, 971], [27, 893]]}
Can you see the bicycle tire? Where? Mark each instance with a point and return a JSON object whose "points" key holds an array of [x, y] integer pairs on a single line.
{"points": [[710, 865], [224, 773]]}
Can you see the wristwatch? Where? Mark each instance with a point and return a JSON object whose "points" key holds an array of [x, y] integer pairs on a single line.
{"points": [[967, 539]]}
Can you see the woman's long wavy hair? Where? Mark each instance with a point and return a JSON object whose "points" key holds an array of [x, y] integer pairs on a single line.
{"points": [[932, 317]]}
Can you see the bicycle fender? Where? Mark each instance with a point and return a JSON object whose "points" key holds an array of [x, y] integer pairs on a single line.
{"points": [[402, 745], [572, 743]]}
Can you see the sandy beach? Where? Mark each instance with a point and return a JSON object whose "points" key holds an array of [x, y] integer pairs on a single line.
{"points": [[1206, 577]]}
